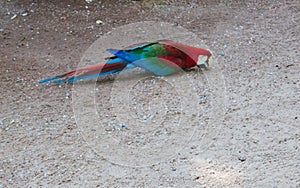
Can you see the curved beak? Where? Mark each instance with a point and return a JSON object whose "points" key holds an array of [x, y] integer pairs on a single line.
{"points": [[204, 62]]}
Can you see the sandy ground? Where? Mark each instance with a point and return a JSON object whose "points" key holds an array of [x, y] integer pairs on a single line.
{"points": [[235, 125]]}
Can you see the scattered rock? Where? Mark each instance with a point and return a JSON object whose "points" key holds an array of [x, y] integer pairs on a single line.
{"points": [[193, 147], [67, 95], [99, 22], [24, 14], [12, 121], [63, 18], [13, 17], [289, 65], [221, 53], [122, 126], [242, 158]]}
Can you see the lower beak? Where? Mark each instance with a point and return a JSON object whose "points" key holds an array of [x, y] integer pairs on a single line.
{"points": [[202, 66]]}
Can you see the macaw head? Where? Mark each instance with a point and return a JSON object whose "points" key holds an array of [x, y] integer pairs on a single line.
{"points": [[200, 56]]}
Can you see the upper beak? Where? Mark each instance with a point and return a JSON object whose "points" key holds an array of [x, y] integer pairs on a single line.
{"points": [[205, 64]]}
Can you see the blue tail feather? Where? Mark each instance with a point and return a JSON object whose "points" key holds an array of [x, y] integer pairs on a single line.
{"points": [[49, 79], [113, 51]]}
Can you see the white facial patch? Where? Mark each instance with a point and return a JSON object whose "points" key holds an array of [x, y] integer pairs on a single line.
{"points": [[202, 61]]}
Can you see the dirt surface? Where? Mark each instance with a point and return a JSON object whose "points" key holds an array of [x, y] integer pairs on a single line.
{"points": [[244, 111]]}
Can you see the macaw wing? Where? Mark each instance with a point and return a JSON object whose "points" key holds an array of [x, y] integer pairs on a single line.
{"points": [[139, 45], [129, 53], [159, 66]]}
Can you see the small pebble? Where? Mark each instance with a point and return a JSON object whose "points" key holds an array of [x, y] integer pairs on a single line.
{"points": [[242, 158], [221, 53], [24, 14], [88, 1], [202, 97], [99, 22], [13, 17], [193, 147], [289, 65]]}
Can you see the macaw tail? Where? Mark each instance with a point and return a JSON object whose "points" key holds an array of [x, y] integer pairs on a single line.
{"points": [[87, 72]]}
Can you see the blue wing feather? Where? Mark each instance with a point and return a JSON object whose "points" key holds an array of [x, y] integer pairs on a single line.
{"points": [[156, 66]]}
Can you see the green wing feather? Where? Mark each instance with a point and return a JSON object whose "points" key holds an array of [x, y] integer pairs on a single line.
{"points": [[147, 56]]}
